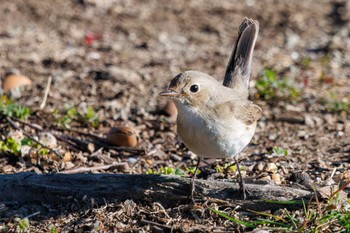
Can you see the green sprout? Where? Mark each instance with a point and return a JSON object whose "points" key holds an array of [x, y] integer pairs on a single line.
{"points": [[10, 109], [278, 151], [333, 213], [271, 87], [71, 114], [167, 171], [22, 224], [10, 146], [334, 104]]}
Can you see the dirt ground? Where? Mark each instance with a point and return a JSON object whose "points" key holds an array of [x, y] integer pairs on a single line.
{"points": [[117, 55]]}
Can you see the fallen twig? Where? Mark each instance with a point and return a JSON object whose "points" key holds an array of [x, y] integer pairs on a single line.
{"points": [[90, 169], [47, 90]]}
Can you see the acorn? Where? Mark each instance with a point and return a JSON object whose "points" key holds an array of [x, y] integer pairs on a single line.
{"points": [[170, 110], [14, 81], [122, 136]]}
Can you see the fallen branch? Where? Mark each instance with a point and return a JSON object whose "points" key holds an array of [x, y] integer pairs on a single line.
{"points": [[168, 190]]}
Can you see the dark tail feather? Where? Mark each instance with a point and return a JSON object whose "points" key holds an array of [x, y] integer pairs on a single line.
{"points": [[238, 68]]}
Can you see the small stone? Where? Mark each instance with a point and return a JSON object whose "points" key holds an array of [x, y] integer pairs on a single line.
{"points": [[48, 139], [330, 119], [309, 121], [132, 160], [317, 120], [69, 165], [271, 167], [260, 166], [302, 134], [272, 137], [276, 178], [94, 56], [67, 157], [340, 133], [149, 161], [91, 147], [176, 157]]}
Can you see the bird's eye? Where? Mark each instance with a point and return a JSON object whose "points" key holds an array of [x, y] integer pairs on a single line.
{"points": [[194, 88]]}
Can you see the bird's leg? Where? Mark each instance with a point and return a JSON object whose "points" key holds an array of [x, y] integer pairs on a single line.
{"points": [[193, 187], [241, 182]]}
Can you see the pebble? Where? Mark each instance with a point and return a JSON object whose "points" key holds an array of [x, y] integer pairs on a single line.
{"points": [[176, 157], [276, 178], [69, 165], [302, 134], [67, 157], [271, 167], [132, 160], [260, 166], [272, 137], [48, 139], [330, 119], [309, 121]]}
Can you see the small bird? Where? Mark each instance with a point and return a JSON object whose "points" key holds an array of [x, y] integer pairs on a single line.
{"points": [[217, 120]]}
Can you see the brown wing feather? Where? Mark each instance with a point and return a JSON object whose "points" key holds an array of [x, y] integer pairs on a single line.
{"points": [[246, 111]]}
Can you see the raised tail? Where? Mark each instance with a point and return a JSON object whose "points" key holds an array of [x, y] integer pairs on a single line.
{"points": [[239, 66]]}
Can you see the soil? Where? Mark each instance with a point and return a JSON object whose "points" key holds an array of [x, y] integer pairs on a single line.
{"points": [[117, 56]]}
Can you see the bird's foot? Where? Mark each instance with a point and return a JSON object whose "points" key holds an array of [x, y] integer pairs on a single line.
{"points": [[243, 189]]}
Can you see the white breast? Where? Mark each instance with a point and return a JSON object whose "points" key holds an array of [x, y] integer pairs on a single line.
{"points": [[211, 138]]}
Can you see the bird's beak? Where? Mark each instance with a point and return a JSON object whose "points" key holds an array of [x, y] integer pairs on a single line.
{"points": [[169, 93]]}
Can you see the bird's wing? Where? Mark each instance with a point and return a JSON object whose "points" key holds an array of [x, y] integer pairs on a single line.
{"points": [[242, 110], [239, 66]]}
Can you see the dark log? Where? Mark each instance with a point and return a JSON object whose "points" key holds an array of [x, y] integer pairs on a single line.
{"points": [[55, 189]]}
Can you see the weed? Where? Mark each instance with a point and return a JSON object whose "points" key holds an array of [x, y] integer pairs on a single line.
{"points": [[71, 114], [270, 87], [279, 151], [22, 224], [167, 171], [191, 170], [10, 146], [229, 167], [334, 104], [10, 109], [13, 147], [305, 62], [53, 229], [91, 117], [314, 217]]}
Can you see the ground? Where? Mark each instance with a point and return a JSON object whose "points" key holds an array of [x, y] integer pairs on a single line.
{"points": [[110, 59]]}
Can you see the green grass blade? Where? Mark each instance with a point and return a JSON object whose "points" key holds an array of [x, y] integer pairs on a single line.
{"points": [[247, 224]]}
